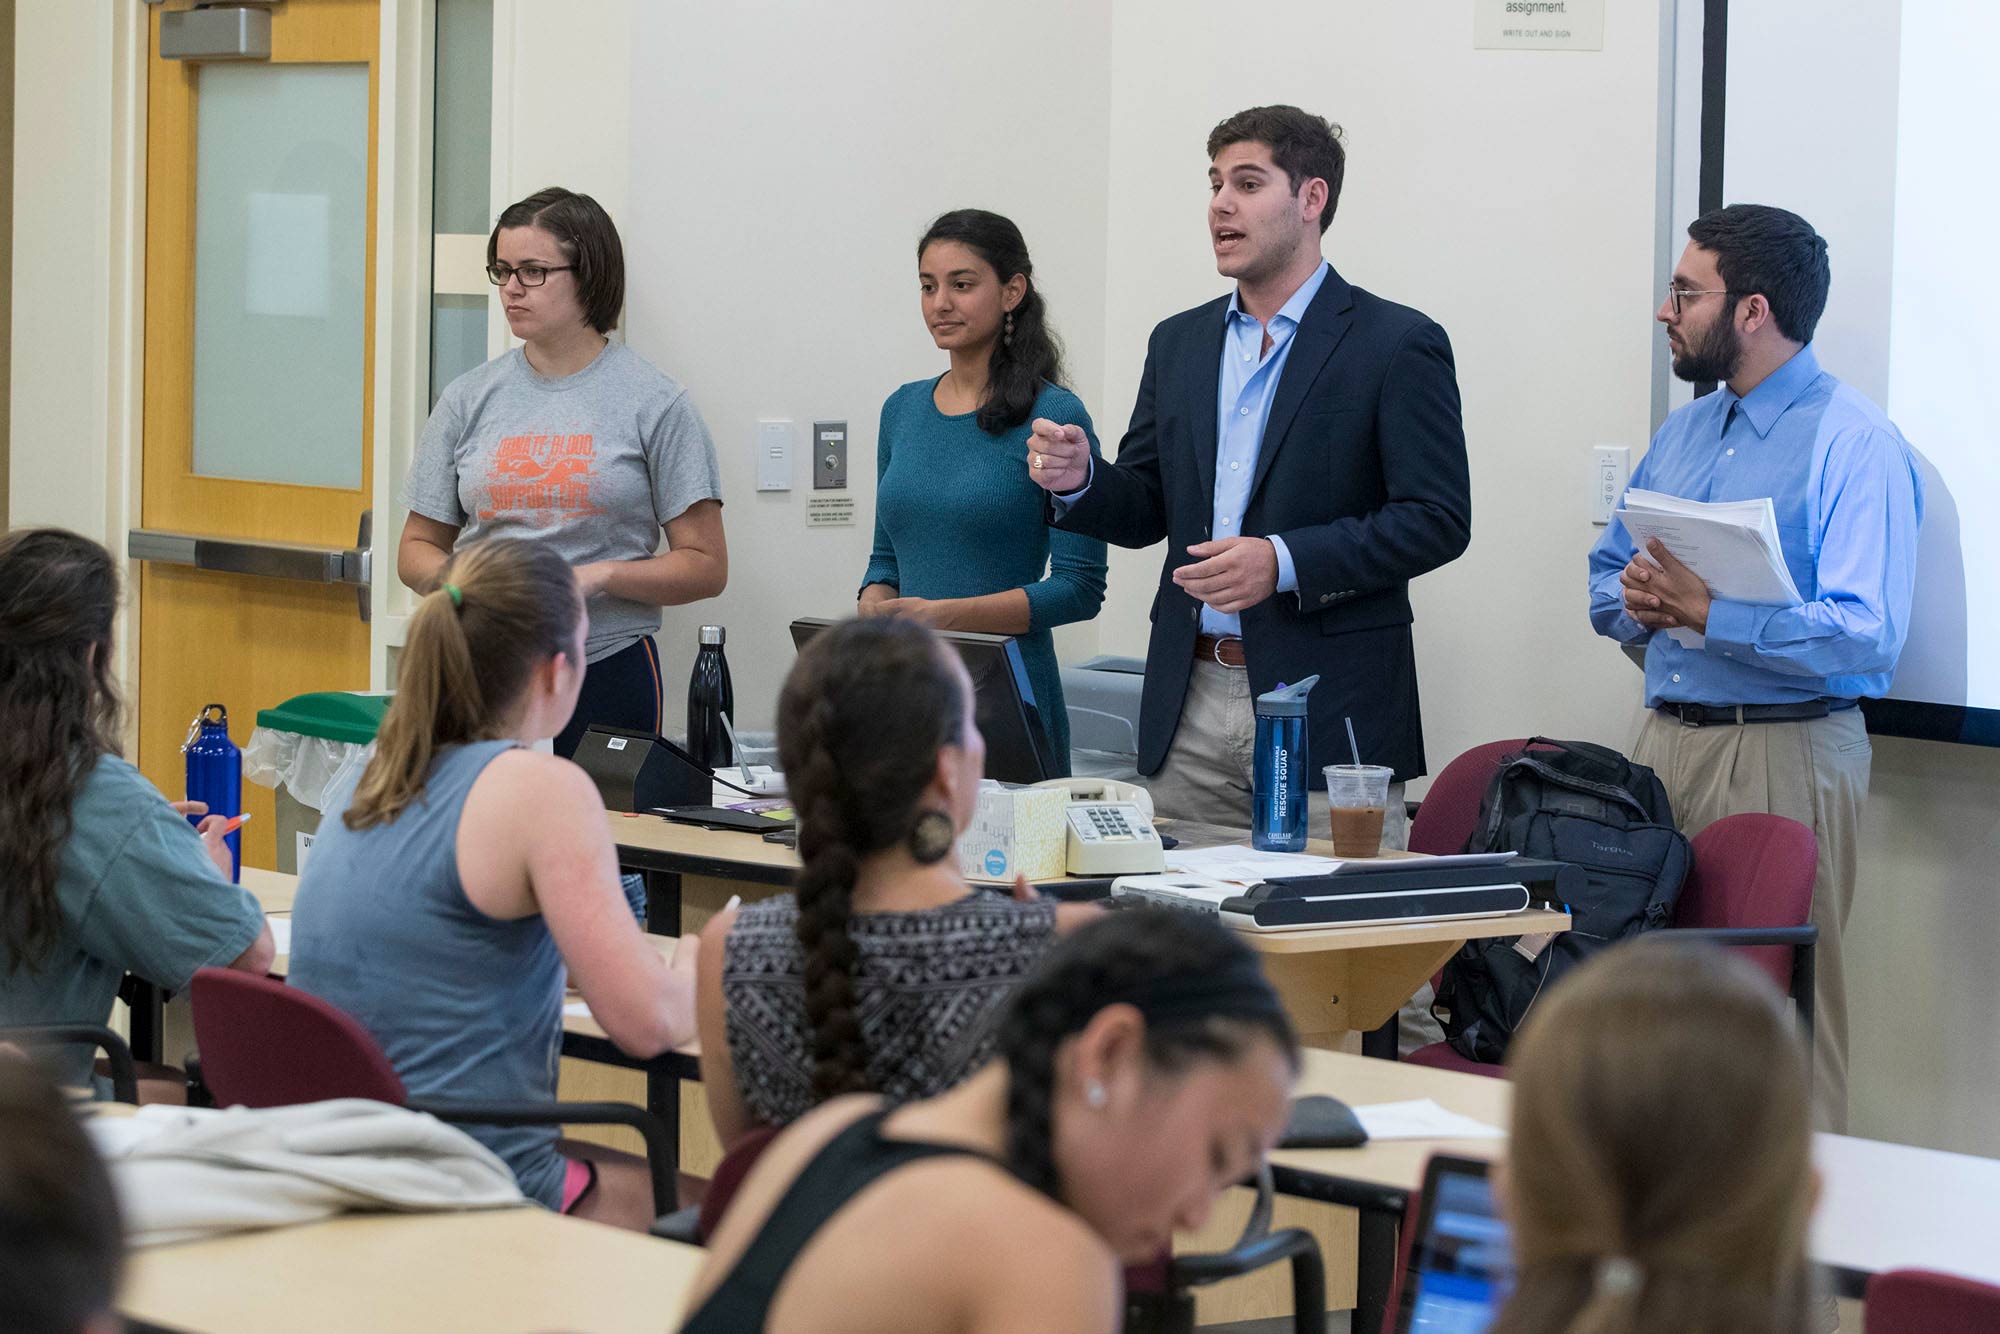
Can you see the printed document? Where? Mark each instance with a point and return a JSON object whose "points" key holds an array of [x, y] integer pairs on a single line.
{"points": [[1732, 544]]}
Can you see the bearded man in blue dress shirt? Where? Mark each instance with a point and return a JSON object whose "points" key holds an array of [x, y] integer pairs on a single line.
{"points": [[1760, 714]]}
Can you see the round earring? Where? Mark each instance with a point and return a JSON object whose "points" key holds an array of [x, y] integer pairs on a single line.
{"points": [[1007, 334], [931, 837], [1094, 1096]]}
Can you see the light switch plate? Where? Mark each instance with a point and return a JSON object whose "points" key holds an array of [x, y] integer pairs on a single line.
{"points": [[1610, 470], [774, 456], [829, 456]]}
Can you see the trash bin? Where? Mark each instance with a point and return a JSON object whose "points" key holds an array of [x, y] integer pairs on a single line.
{"points": [[304, 748]]}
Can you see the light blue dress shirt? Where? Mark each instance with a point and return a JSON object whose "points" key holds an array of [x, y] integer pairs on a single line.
{"points": [[1248, 383], [1849, 501], [1244, 390]]}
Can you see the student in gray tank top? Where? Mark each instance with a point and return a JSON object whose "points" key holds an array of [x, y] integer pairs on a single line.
{"points": [[883, 970], [452, 888], [578, 442]]}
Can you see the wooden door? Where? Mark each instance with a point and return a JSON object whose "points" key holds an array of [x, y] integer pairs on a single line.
{"points": [[260, 263]]}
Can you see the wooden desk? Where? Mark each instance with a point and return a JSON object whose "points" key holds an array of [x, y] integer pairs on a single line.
{"points": [[1883, 1206], [1333, 982], [503, 1270]]}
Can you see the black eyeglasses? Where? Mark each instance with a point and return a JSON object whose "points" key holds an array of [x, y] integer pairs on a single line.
{"points": [[531, 275]]}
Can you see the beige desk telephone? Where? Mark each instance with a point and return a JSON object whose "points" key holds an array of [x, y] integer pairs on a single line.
{"points": [[1110, 828]]}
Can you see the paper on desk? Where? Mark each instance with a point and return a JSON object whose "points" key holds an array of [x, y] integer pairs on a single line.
{"points": [[281, 932], [1732, 545], [576, 1009], [1246, 866], [1421, 1118]]}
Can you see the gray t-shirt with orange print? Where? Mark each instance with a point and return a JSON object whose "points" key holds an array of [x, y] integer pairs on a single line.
{"points": [[594, 462]]}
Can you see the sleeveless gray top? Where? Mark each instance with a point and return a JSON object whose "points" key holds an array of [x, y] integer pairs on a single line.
{"points": [[467, 1007], [930, 986]]}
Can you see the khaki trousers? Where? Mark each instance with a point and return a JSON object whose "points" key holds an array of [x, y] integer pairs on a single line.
{"points": [[1814, 771], [1207, 773]]}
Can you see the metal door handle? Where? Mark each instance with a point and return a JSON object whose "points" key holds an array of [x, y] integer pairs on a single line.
{"points": [[304, 561]]}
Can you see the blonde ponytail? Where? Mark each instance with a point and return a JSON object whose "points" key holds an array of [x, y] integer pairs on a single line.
{"points": [[503, 607]]}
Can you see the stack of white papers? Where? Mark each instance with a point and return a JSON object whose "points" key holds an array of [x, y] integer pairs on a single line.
{"points": [[1732, 544], [1241, 865], [1421, 1118]]}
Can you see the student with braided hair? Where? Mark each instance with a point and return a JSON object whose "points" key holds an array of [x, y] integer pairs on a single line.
{"points": [[454, 890], [883, 971], [1660, 1179], [1145, 1066]]}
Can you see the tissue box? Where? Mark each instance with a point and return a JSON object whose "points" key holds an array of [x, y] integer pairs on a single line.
{"points": [[1015, 831]]}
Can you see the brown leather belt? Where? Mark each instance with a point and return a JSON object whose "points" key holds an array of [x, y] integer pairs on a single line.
{"points": [[1228, 652]]}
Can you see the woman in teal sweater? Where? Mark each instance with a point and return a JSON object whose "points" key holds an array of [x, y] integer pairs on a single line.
{"points": [[960, 538]]}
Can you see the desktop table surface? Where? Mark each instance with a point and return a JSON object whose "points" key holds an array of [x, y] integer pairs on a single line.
{"points": [[520, 1269], [1882, 1206]]}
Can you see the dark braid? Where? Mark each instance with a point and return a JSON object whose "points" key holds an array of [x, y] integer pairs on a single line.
{"points": [[1125, 954], [861, 719]]}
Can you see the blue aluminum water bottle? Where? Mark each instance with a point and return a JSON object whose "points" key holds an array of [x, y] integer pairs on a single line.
{"points": [[1278, 783], [215, 775]]}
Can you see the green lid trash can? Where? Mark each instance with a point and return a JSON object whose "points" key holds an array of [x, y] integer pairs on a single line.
{"points": [[305, 748]]}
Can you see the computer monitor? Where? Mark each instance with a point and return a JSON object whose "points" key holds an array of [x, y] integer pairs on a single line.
{"points": [[1018, 749], [1456, 1266]]}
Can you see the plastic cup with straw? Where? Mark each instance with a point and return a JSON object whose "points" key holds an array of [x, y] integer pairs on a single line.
{"points": [[1357, 797]]}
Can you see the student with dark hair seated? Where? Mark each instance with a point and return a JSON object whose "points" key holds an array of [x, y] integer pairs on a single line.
{"points": [[60, 1243], [884, 970], [1143, 1068], [1659, 1179], [100, 875]]}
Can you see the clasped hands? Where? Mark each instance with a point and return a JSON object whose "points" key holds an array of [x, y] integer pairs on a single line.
{"points": [[1227, 575], [1666, 594]]}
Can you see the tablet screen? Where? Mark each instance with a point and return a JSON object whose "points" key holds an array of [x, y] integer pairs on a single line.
{"points": [[1458, 1263]]}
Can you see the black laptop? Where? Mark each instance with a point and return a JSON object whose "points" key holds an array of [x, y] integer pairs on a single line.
{"points": [[1456, 1267]]}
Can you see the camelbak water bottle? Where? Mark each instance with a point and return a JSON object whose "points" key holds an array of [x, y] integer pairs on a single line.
{"points": [[1278, 782], [215, 775]]}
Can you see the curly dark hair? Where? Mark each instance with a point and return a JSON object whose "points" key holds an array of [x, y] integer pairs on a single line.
{"points": [[59, 710], [1022, 363]]}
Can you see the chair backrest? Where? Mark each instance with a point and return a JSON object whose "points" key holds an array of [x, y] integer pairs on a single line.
{"points": [[1450, 808], [1919, 1301], [729, 1174], [264, 1044], [1752, 870]]}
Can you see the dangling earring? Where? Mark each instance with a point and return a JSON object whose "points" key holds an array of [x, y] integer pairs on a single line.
{"points": [[931, 837], [1007, 334], [1094, 1096]]}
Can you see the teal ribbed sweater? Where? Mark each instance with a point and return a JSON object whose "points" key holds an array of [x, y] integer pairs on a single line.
{"points": [[956, 516]]}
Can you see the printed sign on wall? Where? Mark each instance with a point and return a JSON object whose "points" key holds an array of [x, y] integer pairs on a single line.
{"points": [[1538, 25]]}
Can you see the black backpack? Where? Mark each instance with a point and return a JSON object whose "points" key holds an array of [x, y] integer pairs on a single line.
{"points": [[1568, 802]]}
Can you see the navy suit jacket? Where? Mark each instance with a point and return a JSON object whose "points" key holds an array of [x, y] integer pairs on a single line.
{"points": [[1362, 472]]}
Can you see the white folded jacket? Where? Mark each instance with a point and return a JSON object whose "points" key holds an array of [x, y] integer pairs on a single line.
{"points": [[184, 1173]]}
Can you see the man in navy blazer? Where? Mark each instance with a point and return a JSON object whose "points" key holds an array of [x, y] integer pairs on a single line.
{"points": [[1299, 445]]}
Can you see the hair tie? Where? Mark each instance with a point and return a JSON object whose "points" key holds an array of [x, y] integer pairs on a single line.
{"points": [[1618, 1276], [457, 598]]}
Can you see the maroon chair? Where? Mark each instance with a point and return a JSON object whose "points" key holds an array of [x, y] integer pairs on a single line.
{"points": [[1749, 886], [1449, 811], [1922, 1301], [264, 1044]]}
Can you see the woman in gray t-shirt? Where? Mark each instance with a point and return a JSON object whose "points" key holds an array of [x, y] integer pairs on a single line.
{"points": [[578, 442]]}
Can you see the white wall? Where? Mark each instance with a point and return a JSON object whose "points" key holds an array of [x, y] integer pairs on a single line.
{"points": [[785, 160]]}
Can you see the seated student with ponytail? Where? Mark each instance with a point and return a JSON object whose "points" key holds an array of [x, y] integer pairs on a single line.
{"points": [[883, 971], [1143, 1068], [1659, 1179], [451, 890], [100, 875]]}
